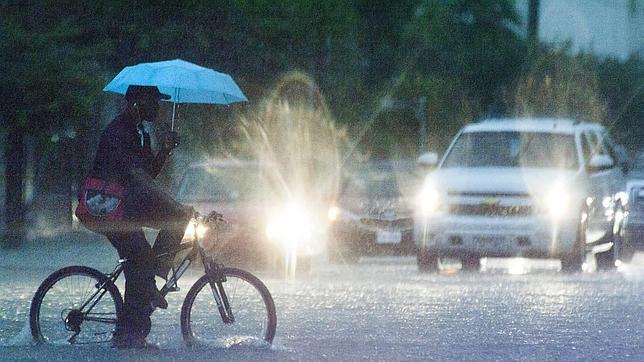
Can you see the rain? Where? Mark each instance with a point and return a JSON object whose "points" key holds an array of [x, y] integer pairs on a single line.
{"points": [[409, 180]]}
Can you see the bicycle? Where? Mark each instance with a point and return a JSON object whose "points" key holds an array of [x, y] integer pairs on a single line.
{"points": [[81, 305]]}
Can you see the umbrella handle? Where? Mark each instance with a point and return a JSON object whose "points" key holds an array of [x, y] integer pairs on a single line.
{"points": [[174, 107]]}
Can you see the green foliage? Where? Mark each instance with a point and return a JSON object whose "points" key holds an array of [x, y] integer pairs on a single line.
{"points": [[379, 36], [356, 51], [587, 88], [621, 85], [50, 80], [560, 85], [459, 55], [468, 40]]}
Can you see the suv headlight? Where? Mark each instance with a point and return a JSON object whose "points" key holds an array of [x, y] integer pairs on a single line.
{"points": [[428, 200], [557, 202]]}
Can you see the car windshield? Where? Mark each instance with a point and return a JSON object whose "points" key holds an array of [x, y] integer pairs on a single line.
{"points": [[513, 149], [219, 184], [381, 182]]}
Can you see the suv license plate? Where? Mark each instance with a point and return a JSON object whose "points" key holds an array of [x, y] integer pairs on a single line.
{"points": [[388, 237]]}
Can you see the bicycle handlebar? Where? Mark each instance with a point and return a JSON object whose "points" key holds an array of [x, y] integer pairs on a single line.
{"points": [[213, 216]]}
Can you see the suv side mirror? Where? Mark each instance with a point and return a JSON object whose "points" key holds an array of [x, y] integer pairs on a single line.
{"points": [[600, 162], [429, 160]]}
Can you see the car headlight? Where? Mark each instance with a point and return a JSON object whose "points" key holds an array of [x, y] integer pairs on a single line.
{"points": [[558, 202], [428, 200], [290, 226]]}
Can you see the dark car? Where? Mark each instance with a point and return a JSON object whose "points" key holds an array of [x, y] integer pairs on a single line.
{"points": [[373, 213], [231, 189], [263, 229]]}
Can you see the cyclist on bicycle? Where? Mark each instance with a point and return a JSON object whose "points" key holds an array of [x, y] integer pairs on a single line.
{"points": [[125, 156]]}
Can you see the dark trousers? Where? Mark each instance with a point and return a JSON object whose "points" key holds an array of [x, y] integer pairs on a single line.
{"points": [[139, 269], [139, 281]]}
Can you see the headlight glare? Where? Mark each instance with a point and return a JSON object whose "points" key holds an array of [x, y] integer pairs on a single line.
{"points": [[558, 202], [201, 230], [195, 230], [189, 234], [428, 200], [333, 214], [289, 226]]}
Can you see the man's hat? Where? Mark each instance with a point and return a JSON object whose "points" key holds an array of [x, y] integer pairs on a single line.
{"points": [[143, 91]]}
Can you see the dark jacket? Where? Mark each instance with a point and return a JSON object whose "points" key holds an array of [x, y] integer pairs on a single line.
{"points": [[124, 155]]}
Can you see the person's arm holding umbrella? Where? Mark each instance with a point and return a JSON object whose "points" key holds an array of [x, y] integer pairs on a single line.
{"points": [[144, 107], [170, 140]]}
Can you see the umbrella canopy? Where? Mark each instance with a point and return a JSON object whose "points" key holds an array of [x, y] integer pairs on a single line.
{"points": [[185, 82]]}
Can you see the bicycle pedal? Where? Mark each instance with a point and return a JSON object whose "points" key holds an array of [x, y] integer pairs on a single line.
{"points": [[174, 289]]}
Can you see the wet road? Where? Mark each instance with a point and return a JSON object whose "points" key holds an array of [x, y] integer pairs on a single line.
{"points": [[382, 309]]}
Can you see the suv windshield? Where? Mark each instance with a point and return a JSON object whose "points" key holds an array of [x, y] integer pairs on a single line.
{"points": [[513, 149], [219, 184]]}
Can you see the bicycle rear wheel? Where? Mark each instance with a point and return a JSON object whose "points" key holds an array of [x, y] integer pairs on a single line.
{"points": [[75, 305], [251, 306]]}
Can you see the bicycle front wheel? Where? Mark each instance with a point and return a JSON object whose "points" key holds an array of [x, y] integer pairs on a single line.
{"points": [[75, 305], [249, 311]]}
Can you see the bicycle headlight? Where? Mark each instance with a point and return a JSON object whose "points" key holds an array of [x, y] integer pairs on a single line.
{"points": [[195, 230], [201, 230]]}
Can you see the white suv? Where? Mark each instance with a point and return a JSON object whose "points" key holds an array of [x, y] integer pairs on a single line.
{"points": [[543, 188]]}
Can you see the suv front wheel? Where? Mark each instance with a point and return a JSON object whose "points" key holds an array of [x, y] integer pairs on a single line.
{"points": [[607, 260], [471, 263], [427, 261]]}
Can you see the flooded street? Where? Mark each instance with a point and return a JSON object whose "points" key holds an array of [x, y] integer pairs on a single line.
{"points": [[383, 309]]}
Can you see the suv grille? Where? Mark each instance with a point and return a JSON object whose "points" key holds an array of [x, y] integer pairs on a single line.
{"points": [[490, 210]]}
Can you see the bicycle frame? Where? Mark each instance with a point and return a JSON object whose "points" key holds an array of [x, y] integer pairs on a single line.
{"points": [[100, 292], [211, 267]]}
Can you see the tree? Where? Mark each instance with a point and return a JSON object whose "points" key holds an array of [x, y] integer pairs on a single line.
{"points": [[460, 55], [560, 85], [46, 88], [621, 85]]}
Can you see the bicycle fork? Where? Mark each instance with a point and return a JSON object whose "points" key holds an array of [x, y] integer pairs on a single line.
{"points": [[216, 281], [216, 285]]}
